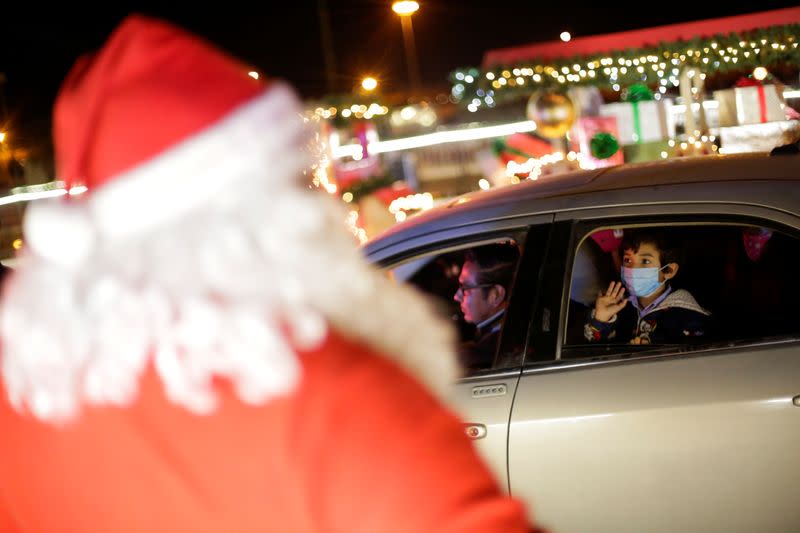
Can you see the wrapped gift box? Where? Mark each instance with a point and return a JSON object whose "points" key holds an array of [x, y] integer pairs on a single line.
{"points": [[744, 105], [655, 122], [759, 104], [726, 108], [581, 136]]}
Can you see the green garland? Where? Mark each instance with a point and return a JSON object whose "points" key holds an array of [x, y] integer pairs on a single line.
{"points": [[365, 187], [776, 47]]}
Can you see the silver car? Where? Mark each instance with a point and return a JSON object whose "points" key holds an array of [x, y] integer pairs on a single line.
{"points": [[699, 434]]}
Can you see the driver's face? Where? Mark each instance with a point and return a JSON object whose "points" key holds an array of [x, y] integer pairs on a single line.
{"points": [[474, 302]]}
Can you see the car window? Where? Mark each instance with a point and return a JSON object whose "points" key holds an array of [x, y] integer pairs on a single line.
{"points": [[471, 286], [681, 287]]}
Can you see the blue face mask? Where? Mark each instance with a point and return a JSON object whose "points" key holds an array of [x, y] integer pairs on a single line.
{"points": [[642, 281]]}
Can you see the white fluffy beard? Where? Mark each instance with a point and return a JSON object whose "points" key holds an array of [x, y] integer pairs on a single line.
{"points": [[230, 290]]}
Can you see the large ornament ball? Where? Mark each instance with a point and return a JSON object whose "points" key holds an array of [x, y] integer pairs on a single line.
{"points": [[553, 113]]}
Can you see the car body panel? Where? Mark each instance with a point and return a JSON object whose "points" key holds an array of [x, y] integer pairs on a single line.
{"points": [[708, 443], [702, 440], [486, 401]]}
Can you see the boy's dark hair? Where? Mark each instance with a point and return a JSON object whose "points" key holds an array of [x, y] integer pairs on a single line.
{"points": [[496, 263], [663, 241]]}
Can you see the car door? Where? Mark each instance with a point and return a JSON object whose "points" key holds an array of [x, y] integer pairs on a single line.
{"points": [[483, 398], [699, 438]]}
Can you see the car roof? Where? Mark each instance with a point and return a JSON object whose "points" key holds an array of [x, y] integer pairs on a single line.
{"points": [[530, 195]]}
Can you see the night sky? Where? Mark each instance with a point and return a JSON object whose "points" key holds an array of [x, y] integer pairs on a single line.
{"points": [[39, 44]]}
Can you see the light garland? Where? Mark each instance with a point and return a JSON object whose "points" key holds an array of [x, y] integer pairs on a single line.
{"points": [[413, 202], [352, 224], [658, 65], [534, 167], [357, 111]]}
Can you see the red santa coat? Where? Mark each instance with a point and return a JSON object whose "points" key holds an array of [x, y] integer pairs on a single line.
{"points": [[359, 446]]}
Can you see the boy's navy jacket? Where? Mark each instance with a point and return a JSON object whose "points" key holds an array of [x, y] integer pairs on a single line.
{"points": [[675, 318]]}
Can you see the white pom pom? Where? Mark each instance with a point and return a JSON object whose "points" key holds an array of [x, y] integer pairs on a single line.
{"points": [[59, 232]]}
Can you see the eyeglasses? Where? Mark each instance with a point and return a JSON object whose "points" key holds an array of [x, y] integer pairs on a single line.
{"points": [[464, 288]]}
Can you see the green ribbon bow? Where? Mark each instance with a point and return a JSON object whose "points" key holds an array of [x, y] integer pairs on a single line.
{"points": [[638, 92], [603, 145]]}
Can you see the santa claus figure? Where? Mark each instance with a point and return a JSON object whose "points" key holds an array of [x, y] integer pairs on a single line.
{"points": [[196, 345]]}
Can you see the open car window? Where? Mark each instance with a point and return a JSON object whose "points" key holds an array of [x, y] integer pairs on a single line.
{"points": [[735, 284], [473, 300]]}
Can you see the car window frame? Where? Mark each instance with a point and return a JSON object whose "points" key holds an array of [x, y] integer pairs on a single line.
{"points": [[581, 228], [560, 259], [518, 313]]}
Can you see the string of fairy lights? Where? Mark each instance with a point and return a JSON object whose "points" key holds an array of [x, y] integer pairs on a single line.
{"points": [[659, 65], [351, 111]]}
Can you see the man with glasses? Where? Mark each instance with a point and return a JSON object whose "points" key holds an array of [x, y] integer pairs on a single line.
{"points": [[483, 293]]}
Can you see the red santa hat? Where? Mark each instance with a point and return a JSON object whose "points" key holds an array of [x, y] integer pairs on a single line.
{"points": [[151, 143]]}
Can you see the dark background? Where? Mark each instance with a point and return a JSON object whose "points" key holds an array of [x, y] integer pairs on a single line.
{"points": [[38, 44]]}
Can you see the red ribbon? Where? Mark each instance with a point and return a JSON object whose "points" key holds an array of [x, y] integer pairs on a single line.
{"points": [[762, 103], [762, 97], [748, 82]]}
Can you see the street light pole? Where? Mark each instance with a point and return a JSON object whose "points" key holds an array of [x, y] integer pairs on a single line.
{"points": [[411, 52], [3, 106], [327, 45], [405, 9]]}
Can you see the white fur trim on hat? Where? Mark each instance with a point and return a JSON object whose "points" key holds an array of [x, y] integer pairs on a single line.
{"points": [[260, 134]]}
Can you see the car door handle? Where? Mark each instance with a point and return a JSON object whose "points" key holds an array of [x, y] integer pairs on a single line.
{"points": [[475, 431], [796, 400], [486, 391]]}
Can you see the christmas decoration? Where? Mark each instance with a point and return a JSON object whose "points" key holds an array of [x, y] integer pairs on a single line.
{"points": [[547, 165], [756, 102], [553, 113], [587, 100], [597, 139], [657, 65], [693, 146], [638, 92], [360, 163], [340, 111], [603, 145], [691, 89], [726, 107], [755, 242], [380, 201], [609, 240], [520, 147], [635, 94], [641, 118], [761, 137]]}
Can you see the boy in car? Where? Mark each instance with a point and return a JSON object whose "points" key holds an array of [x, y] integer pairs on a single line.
{"points": [[652, 312]]}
